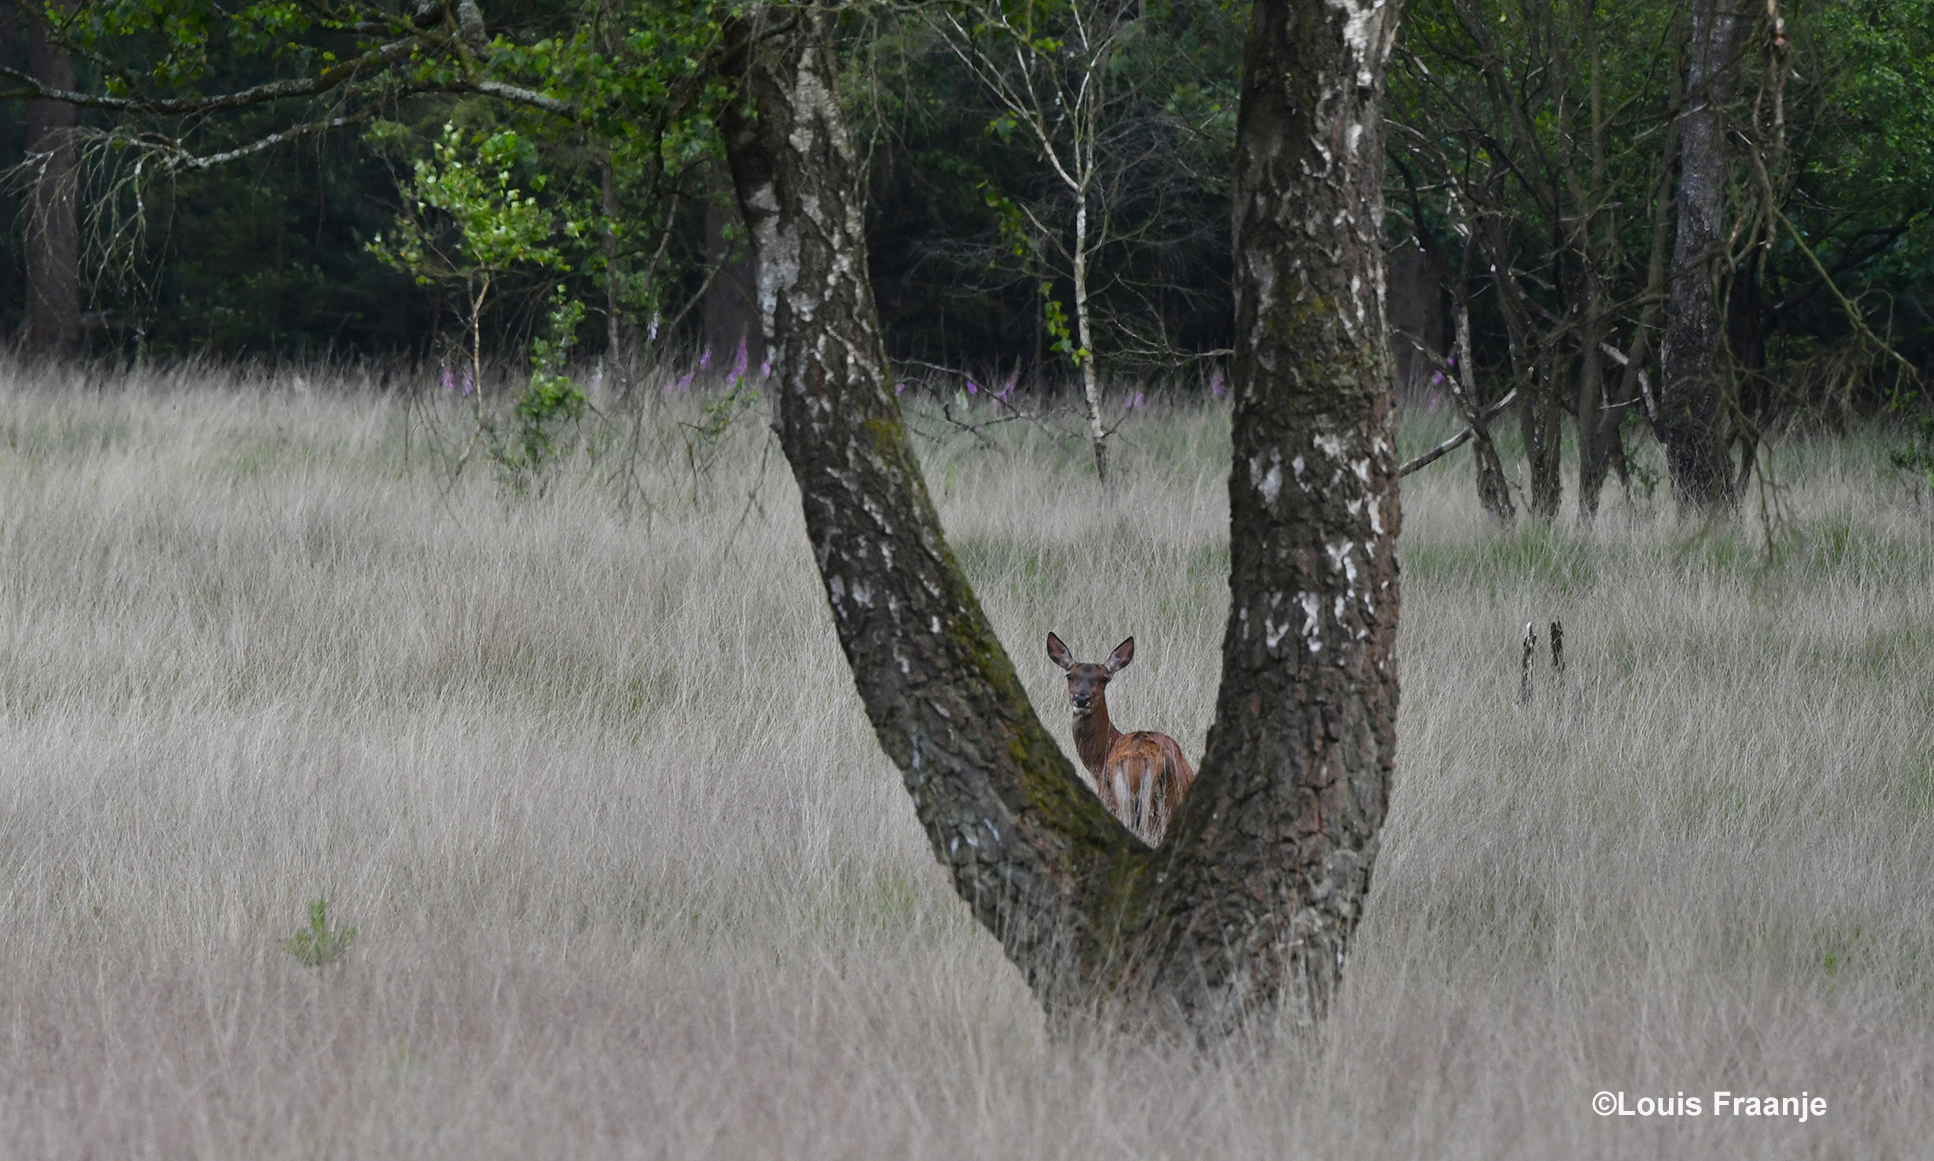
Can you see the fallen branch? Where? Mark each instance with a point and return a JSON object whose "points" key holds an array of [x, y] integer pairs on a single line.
{"points": [[1460, 439]]}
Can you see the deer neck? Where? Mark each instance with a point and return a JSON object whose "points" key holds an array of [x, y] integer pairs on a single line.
{"points": [[1094, 735]]}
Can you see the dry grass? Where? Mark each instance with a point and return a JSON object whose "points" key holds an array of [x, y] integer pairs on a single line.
{"points": [[631, 879]]}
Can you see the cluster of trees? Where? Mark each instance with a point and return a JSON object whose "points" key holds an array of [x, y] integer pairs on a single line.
{"points": [[1704, 216], [1047, 191]]}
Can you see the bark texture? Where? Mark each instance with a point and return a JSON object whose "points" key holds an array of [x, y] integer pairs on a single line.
{"points": [[1692, 413], [1027, 843], [53, 323], [1278, 837], [1251, 900]]}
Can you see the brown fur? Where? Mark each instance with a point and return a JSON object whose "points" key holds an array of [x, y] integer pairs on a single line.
{"points": [[1140, 777]]}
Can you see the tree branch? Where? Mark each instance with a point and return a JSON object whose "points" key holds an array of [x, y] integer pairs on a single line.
{"points": [[323, 82], [1460, 439]]}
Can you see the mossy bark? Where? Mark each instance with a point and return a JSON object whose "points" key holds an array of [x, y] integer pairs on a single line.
{"points": [[1251, 900]]}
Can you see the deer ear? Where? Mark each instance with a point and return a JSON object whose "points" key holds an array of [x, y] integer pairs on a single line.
{"points": [[1058, 653], [1123, 654]]}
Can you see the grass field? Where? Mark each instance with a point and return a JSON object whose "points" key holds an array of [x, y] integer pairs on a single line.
{"points": [[629, 876]]}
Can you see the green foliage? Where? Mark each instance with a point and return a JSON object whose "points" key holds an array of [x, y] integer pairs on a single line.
{"points": [[483, 225], [633, 83], [272, 253], [551, 400], [1916, 456], [318, 945], [465, 223], [1055, 319]]}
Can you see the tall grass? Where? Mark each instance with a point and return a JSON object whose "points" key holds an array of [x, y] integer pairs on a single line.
{"points": [[630, 877]]}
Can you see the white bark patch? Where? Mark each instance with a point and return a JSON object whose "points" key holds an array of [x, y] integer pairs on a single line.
{"points": [[1330, 445], [813, 96], [1269, 483], [1362, 26], [1312, 620], [1339, 555], [1329, 162], [778, 255], [1272, 632]]}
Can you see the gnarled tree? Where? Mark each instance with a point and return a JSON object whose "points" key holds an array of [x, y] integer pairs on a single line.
{"points": [[1251, 900]]}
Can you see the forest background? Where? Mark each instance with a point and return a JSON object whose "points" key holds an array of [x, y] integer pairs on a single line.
{"points": [[1049, 195]]}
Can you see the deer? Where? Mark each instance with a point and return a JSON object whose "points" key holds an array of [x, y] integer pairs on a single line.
{"points": [[1140, 777]]}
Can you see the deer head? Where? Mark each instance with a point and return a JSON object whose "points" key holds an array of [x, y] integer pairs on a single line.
{"points": [[1086, 681]]}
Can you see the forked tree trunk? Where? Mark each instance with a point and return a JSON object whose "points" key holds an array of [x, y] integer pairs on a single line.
{"points": [[1251, 900], [1692, 417]]}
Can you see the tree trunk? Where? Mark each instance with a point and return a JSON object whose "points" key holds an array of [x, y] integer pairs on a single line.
{"points": [[1538, 407], [1692, 419], [1279, 834], [731, 314], [1541, 416], [614, 367], [1251, 899], [1418, 321], [1493, 489], [1090, 375], [52, 241]]}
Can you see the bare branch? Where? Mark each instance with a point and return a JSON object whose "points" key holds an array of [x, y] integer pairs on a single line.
{"points": [[1460, 439]]}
